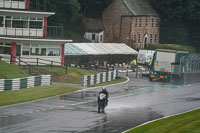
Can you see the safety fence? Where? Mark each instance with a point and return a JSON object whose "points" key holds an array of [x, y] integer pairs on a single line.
{"points": [[20, 83], [99, 78]]}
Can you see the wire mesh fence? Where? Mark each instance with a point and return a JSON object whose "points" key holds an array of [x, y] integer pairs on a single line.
{"points": [[187, 71], [190, 63]]}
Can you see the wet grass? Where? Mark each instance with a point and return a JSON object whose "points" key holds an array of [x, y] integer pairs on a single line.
{"points": [[118, 80], [74, 75], [8, 71], [184, 123], [29, 94]]}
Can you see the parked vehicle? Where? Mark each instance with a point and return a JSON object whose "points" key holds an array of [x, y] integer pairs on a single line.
{"points": [[164, 63], [144, 56], [101, 102]]}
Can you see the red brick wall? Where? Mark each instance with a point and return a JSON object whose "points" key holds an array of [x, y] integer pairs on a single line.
{"points": [[143, 30]]}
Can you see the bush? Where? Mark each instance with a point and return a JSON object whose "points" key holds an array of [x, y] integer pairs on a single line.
{"points": [[171, 47]]}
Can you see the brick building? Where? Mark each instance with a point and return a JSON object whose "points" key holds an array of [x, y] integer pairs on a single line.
{"points": [[133, 22]]}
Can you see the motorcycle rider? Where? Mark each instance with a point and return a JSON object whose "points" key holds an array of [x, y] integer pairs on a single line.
{"points": [[104, 91]]}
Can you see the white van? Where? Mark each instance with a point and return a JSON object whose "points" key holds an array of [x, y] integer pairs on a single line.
{"points": [[144, 56]]}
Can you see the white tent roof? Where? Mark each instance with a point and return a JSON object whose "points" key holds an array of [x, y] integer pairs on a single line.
{"points": [[98, 49]]}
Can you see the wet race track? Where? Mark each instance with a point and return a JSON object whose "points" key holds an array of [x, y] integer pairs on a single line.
{"points": [[130, 104]]}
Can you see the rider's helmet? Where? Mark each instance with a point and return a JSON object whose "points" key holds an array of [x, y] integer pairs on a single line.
{"points": [[103, 88]]}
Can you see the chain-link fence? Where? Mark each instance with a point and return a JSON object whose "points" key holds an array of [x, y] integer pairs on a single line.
{"points": [[190, 63]]}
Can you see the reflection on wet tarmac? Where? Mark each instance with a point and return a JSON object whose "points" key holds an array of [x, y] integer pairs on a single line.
{"points": [[12, 120], [120, 120]]}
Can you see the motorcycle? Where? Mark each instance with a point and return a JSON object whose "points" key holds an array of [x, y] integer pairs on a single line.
{"points": [[102, 102]]}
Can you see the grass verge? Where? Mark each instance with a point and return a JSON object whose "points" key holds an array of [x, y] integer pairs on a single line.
{"points": [[29, 94], [10, 71], [184, 123], [74, 75], [118, 80]]}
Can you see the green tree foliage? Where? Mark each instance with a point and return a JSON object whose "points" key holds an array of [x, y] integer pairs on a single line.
{"points": [[93, 8], [66, 10], [180, 21]]}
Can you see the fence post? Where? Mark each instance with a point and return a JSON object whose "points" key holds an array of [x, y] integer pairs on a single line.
{"points": [[29, 69], [19, 60], [37, 61], [66, 69], [0, 58], [11, 59], [51, 64], [113, 68]]}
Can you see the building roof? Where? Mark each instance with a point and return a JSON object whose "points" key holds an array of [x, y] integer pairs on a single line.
{"points": [[98, 49], [140, 7], [33, 40], [11, 12]]}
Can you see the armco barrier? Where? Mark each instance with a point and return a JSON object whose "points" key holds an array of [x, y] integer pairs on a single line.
{"points": [[20, 83], [99, 78]]}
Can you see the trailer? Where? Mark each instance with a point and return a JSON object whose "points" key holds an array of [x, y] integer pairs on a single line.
{"points": [[144, 56], [164, 63]]}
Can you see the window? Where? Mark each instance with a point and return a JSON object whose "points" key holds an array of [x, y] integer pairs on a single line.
{"points": [[140, 24], [26, 51], [5, 48], [136, 22], [139, 38], [93, 36], [134, 37], [41, 49], [101, 38], [155, 39], [19, 24], [53, 52], [152, 22], [36, 25], [147, 22], [157, 22], [151, 38], [8, 23]]}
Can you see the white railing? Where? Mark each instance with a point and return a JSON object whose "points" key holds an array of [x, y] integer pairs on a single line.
{"points": [[23, 32], [13, 4]]}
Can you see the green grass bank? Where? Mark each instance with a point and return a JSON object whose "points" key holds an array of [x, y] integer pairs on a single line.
{"points": [[29, 94], [183, 123], [8, 71]]}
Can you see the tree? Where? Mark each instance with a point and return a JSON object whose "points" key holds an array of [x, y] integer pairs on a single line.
{"points": [[66, 10], [93, 8], [179, 21]]}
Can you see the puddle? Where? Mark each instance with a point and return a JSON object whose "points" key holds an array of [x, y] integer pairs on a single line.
{"points": [[12, 120]]}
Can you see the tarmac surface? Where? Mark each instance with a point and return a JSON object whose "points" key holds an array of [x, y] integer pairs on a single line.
{"points": [[130, 104]]}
